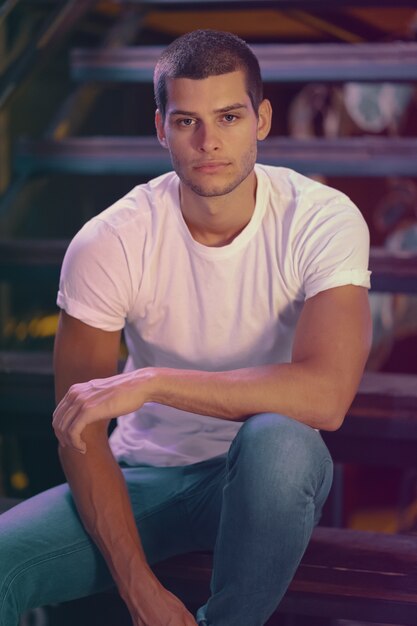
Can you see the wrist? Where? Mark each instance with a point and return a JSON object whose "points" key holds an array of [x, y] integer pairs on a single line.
{"points": [[146, 588], [153, 379], [144, 383]]}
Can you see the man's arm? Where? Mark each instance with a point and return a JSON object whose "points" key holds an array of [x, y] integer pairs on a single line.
{"points": [[81, 353], [331, 346]]}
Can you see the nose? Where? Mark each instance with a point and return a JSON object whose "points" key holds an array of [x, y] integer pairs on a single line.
{"points": [[208, 139]]}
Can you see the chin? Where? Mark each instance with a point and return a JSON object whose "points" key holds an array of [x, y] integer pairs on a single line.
{"points": [[211, 188], [212, 191]]}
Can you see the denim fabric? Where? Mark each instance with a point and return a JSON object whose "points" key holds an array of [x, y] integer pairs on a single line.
{"points": [[254, 507]]}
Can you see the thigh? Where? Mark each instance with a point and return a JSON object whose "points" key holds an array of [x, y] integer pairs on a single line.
{"points": [[46, 556], [203, 501], [175, 508]]}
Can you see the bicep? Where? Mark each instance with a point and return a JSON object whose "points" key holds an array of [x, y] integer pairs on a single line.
{"points": [[82, 353], [334, 335]]}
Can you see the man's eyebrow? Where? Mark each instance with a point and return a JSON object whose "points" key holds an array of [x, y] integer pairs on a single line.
{"points": [[181, 112], [230, 107]]}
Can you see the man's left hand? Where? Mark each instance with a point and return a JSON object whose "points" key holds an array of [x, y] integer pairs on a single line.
{"points": [[99, 399]]}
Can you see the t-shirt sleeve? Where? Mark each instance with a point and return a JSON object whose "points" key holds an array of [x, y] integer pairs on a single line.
{"points": [[333, 249], [95, 284]]}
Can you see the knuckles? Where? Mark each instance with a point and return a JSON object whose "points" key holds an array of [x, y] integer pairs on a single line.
{"points": [[80, 397]]}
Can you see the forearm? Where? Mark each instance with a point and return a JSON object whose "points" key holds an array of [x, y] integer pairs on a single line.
{"points": [[101, 497], [83, 353], [297, 390]]}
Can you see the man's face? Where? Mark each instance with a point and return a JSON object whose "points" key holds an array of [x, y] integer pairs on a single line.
{"points": [[211, 131]]}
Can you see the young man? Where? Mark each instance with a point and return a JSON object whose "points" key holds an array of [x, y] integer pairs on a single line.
{"points": [[242, 292]]}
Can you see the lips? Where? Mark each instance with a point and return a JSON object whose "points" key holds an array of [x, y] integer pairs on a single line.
{"points": [[210, 166]]}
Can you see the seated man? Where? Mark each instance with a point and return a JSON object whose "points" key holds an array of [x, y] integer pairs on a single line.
{"points": [[242, 292]]}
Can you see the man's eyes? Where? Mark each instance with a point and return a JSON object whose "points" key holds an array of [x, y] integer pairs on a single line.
{"points": [[186, 122]]}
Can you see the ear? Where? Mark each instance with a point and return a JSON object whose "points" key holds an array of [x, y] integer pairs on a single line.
{"points": [[264, 119], [160, 132]]}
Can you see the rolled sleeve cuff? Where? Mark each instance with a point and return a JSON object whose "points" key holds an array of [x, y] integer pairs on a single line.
{"points": [[360, 278], [89, 316]]}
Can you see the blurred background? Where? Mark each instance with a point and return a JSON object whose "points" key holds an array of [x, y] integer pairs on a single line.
{"points": [[76, 133]]}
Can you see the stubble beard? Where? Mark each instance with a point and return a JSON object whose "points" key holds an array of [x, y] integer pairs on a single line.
{"points": [[247, 164]]}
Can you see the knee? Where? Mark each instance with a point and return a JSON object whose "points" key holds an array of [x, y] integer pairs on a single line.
{"points": [[277, 448]]}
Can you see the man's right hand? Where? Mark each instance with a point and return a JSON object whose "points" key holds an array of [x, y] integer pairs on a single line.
{"points": [[160, 607]]}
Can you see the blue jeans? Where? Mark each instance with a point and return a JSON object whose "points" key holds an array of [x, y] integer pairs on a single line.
{"points": [[255, 508]]}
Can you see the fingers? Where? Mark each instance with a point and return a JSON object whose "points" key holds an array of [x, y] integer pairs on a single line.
{"points": [[70, 435], [88, 402], [69, 420], [189, 620]]}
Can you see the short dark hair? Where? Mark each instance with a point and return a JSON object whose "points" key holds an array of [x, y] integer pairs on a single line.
{"points": [[203, 53]]}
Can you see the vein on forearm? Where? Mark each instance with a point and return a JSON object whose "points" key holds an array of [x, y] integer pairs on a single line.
{"points": [[100, 494], [297, 390]]}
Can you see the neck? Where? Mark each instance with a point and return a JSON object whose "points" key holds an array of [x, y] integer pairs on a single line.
{"points": [[216, 221]]}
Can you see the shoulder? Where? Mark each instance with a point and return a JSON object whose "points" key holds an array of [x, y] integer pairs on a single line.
{"points": [[120, 232], [140, 205], [300, 189], [127, 224], [302, 200]]}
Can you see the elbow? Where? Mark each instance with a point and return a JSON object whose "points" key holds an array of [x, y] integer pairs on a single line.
{"points": [[328, 419], [336, 413], [323, 418], [333, 415], [333, 422]]}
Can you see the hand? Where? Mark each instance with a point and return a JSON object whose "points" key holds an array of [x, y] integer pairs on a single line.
{"points": [[162, 609], [99, 399]]}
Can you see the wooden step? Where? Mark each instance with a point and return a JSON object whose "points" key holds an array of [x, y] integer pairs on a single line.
{"points": [[196, 5], [380, 428], [394, 272], [381, 424], [396, 61], [347, 156], [25, 258], [31, 252], [27, 398], [344, 573]]}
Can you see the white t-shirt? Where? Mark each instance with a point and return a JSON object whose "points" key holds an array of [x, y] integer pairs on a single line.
{"points": [[189, 306]]}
